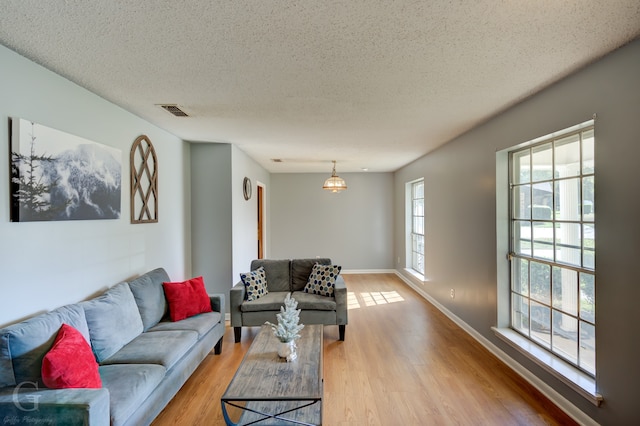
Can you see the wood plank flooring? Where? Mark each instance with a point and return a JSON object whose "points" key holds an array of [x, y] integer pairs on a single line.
{"points": [[402, 363]]}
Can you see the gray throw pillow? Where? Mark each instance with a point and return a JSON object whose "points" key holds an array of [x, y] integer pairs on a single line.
{"points": [[113, 319], [301, 269], [149, 295]]}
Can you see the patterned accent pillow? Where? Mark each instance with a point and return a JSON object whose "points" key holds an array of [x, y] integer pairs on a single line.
{"points": [[322, 279], [255, 283]]}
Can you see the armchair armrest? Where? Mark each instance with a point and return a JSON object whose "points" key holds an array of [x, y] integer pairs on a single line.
{"points": [[340, 294], [236, 297], [218, 303], [28, 405]]}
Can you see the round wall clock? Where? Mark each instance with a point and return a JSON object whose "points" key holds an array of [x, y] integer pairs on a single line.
{"points": [[246, 188]]}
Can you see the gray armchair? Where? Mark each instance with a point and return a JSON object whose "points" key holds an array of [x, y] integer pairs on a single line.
{"points": [[283, 277]]}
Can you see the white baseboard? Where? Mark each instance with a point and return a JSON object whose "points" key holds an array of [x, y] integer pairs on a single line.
{"points": [[368, 271], [565, 405]]}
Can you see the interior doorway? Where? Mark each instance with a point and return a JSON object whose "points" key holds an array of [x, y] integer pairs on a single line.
{"points": [[260, 194]]}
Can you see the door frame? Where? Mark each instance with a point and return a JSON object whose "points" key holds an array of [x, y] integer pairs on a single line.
{"points": [[261, 220]]}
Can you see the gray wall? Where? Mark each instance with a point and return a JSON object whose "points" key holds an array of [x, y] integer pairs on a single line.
{"points": [[48, 264], [460, 197], [211, 220], [223, 223], [351, 227]]}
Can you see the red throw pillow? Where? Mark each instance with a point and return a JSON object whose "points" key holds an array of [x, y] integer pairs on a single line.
{"points": [[70, 363], [187, 298]]}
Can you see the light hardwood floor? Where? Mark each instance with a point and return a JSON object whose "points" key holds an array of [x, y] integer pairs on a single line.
{"points": [[402, 363]]}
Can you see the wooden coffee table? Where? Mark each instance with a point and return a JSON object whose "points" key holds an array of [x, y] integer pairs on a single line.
{"points": [[268, 390]]}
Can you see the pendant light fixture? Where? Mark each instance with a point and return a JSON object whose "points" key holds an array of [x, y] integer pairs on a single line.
{"points": [[335, 183]]}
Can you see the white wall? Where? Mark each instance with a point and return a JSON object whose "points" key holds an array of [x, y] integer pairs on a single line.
{"points": [[460, 219], [352, 227], [44, 265], [245, 212]]}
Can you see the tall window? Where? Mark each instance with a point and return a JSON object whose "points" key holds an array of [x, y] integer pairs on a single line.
{"points": [[417, 226], [552, 239]]}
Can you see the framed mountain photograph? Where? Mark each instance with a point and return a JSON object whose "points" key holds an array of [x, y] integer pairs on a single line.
{"points": [[59, 176]]}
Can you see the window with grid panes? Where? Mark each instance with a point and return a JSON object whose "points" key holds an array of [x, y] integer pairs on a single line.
{"points": [[552, 240], [417, 226]]}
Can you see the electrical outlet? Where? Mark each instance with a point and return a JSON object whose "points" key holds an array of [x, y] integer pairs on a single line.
{"points": [[452, 293]]}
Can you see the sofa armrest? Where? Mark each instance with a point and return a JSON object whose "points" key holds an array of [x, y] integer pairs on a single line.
{"points": [[236, 297], [340, 293], [28, 405], [218, 303]]}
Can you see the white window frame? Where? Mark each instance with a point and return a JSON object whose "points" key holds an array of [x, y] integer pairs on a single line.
{"points": [[583, 383]]}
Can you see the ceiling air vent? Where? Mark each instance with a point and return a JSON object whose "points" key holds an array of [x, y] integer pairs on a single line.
{"points": [[175, 110]]}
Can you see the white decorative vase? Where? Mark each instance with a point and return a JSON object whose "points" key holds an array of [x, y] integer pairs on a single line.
{"points": [[287, 350]]}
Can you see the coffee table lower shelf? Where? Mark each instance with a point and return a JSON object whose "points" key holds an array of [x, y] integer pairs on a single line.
{"points": [[269, 413]]}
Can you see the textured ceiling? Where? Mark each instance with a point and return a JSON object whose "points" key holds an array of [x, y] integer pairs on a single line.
{"points": [[371, 84]]}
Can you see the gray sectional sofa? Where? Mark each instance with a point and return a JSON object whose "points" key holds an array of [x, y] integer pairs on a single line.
{"points": [[143, 357], [283, 277]]}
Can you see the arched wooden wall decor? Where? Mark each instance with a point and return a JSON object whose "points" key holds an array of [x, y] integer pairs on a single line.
{"points": [[144, 181]]}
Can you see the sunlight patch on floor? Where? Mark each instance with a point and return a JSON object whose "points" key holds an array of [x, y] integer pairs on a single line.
{"points": [[374, 298], [381, 298], [352, 301]]}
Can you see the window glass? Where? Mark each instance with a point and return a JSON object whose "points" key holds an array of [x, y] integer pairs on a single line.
{"points": [[541, 282], [542, 162], [522, 167], [565, 290], [520, 281], [587, 348], [567, 156], [417, 226], [587, 152], [567, 204], [521, 197], [520, 314], [565, 336]]}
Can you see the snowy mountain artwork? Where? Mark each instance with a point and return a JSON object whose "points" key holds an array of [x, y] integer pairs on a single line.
{"points": [[58, 176]]}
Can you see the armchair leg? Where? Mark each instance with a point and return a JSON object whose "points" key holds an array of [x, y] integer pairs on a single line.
{"points": [[218, 348], [341, 329], [237, 332]]}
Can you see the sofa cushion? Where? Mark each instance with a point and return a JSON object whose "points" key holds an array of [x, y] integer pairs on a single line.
{"points": [[301, 269], [255, 283], [158, 347], [24, 345], [308, 301], [201, 324], [149, 295], [187, 298], [272, 301], [322, 280], [129, 386], [70, 363], [277, 273], [113, 319]]}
